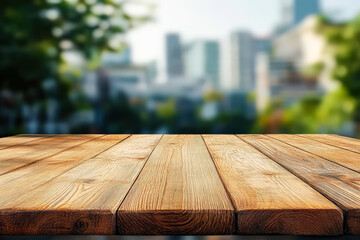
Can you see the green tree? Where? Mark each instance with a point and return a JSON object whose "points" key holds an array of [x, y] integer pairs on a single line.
{"points": [[330, 112], [167, 111], [35, 35], [344, 42]]}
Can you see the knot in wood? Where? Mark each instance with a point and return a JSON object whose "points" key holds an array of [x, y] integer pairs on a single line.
{"points": [[82, 224]]}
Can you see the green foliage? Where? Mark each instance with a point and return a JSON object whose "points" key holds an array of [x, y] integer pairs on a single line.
{"points": [[122, 117], [336, 109], [313, 114], [167, 111], [34, 34], [314, 70], [330, 112], [213, 96], [302, 117], [344, 42]]}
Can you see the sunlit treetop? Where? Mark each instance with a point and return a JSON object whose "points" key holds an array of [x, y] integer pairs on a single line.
{"points": [[34, 34]]}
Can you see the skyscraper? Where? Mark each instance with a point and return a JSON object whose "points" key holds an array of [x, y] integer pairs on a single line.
{"points": [[174, 56], [242, 46], [295, 11], [202, 61]]}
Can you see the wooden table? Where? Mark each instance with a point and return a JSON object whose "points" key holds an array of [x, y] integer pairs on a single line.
{"points": [[179, 184]]}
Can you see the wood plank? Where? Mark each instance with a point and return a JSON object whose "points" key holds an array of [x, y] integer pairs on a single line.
{"points": [[83, 200], [338, 155], [335, 140], [43, 171], [337, 183], [7, 142], [269, 199], [29, 153], [178, 192]]}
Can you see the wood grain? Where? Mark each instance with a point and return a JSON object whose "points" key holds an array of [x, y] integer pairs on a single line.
{"points": [[335, 140], [28, 153], [269, 199], [338, 155], [41, 172], [7, 142], [177, 192], [337, 183], [84, 199]]}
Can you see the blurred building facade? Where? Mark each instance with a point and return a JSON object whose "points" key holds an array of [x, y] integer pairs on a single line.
{"points": [[243, 50], [294, 70], [295, 11], [278, 81], [202, 60], [123, 58], [242, 45], [307, 49], [174, 56]]}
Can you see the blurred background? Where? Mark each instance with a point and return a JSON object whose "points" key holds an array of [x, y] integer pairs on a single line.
{"points": [[180, 66]]}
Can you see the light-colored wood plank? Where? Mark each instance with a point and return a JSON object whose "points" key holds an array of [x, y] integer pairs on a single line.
{"points": [[29, 153], [83, 200], [36, 174], [269, 199], [336, 141], [178, 192], [338, 155], [7, 142], [337, 183]]}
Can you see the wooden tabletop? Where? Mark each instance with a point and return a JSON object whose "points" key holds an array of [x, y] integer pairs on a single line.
{"points": [[179, 184]]}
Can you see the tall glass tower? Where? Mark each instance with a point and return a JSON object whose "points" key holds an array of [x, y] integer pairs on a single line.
{"points": [[295, 11], [174, 55], [202, 60], [304, 8]]}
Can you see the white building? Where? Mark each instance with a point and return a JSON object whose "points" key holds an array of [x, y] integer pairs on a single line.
{"points": [[304, 47], [281, 76], [131, 80], [242, 47], [278, 80]]}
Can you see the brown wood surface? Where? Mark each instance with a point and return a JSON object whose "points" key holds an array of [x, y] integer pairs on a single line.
{"points": [[17, 140], [335, 140], [269, 199], [338, 155], [28, 153], [41, 172], [179, 184], [178, 191], [337, 183], [84, 199]]}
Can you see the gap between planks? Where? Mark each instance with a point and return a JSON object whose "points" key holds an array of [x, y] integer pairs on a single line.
{"points": [[235, 225], [329, 184], [20, 140], [23, 160], [116, 219], [79, 151], [256, 216], [173, 196], [325, 151], [212, 159], [315, 137], [87, 158]]}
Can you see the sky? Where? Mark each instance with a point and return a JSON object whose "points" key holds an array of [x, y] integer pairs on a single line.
{"points": [[215, 19]]}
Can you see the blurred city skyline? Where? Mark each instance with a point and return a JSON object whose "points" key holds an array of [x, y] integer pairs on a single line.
{"points": [[215, 20], [232, 66]]}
